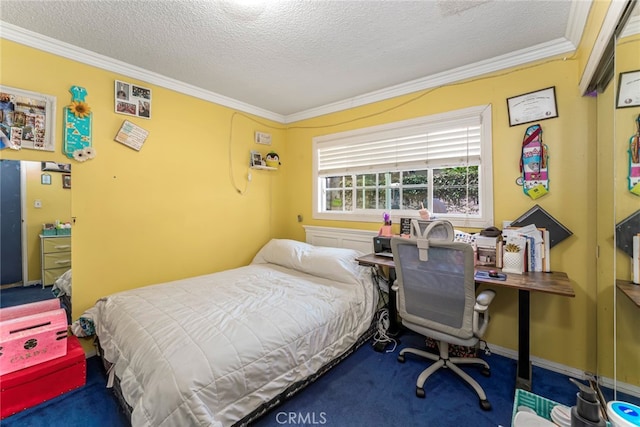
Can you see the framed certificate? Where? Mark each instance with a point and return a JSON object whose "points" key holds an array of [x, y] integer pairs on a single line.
{"points": [[629, 89], [532, 106]]}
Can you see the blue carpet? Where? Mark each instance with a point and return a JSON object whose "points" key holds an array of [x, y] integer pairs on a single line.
{"points": [[366, 389], [23, 295], [91, 405]]}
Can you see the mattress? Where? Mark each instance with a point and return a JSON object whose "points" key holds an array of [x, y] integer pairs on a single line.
{"points": [[209, 350]]}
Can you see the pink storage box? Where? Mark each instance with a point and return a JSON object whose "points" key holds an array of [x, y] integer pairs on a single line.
{"points": [[31, 334], [27, 309]]}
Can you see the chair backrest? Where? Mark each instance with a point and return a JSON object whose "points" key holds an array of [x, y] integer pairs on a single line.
{"points": [[435, 229], [438, 293]]}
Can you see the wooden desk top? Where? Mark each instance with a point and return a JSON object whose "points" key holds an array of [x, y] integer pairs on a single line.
{"points": [[556, 282], [629, 289]]}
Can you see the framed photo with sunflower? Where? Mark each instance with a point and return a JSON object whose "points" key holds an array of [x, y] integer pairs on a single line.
{"points": [[27, 119], [132, 100], [66, 180]]}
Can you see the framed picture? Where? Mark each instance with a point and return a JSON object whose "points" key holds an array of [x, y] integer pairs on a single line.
{"points": [[532, 106], [45, 179], [27, 119], [132, 100], [55, 167], [66, 180], [628, 89], [256, 159]]}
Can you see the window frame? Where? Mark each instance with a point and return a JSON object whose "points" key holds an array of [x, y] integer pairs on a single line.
{"points": [[485, 171]]}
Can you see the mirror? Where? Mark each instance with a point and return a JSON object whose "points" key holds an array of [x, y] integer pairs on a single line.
{"points": [[33, 194], [627, 295]]}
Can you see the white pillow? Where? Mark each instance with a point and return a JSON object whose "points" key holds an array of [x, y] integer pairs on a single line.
{"points": [[337, 264]]}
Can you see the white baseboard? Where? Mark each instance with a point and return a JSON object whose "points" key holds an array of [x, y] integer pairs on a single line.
{"points": [[629, 389]]}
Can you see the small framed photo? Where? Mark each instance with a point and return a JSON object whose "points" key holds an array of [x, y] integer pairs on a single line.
{"points": [[532, 106], [132, 100], [256, 159], [66, 180], [45, 179], [628, 89]]}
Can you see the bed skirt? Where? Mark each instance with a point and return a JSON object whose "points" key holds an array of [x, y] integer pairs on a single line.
{"points": [[267, 406]]}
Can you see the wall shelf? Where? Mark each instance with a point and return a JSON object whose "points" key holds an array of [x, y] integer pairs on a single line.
{"points": [[264, 168]]}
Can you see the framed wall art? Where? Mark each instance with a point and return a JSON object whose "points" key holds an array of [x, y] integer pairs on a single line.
{"points": [[132, 100], [629, 89], [27, 119], [66, 180], [256, 159], [532, 106]]}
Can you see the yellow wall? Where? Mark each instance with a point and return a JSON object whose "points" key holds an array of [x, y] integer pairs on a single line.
{"points": [[168, 211], [557, 322], [627, 313], [56, 205]]}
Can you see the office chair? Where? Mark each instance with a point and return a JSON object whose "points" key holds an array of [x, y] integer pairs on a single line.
{"points": [[437, 299]]}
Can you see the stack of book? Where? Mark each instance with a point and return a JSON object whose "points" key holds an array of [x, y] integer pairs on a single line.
{"points": [[535, 242]]}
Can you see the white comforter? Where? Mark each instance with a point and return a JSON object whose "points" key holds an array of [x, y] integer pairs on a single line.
{"points": [[208, 350]]}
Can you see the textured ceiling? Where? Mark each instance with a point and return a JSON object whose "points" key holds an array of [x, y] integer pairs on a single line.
{"points": [[287, 57]]}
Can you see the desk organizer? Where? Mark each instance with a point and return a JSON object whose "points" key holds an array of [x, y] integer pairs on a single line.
{"points": [[541, 405]]}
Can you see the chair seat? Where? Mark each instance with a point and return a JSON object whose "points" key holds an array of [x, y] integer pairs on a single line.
{"points": [[440, 336]]}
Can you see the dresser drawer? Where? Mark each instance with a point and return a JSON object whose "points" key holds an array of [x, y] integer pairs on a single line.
{"points": [[57, 260], [57, 244], [50, 276]]}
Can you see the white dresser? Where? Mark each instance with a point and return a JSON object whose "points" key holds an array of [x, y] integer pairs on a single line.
{"points": [[55, 257]]}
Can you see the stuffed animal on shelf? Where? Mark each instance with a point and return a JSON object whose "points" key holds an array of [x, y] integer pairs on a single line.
{"points": [[272, 159]]}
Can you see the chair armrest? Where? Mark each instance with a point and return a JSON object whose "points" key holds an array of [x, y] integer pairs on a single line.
{"points": [[481, 312], [483, 300]]}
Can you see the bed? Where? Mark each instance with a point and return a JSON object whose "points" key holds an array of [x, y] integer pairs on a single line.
{"points": [[223, 348]]}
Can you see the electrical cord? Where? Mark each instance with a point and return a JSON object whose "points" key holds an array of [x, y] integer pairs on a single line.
{"points": [[378, 279], [381, 337]]}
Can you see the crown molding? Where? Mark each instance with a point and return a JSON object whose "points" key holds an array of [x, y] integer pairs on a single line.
{"points": [[631, 28], [20, 35], [578, 16], [607, 31], [545, 50], [47, 44]]}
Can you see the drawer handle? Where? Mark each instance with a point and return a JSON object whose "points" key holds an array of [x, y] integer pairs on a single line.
{"points": [[63, 261], [62, 246]]}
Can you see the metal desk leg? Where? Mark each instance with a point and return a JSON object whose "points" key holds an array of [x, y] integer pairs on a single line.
{"points": [[523, 376], [394, 328]]}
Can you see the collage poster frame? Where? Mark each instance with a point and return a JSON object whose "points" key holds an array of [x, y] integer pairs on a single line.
{"points": [[27, 119]]}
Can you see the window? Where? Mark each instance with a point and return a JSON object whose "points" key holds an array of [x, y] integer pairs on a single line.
{"points": [[441, 162]]}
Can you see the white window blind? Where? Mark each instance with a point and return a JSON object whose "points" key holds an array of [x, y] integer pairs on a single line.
{"points": [[453, 143]]}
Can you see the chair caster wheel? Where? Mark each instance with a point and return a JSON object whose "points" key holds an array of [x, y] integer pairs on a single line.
{"points": [[401, 358], [420, 392], [485, 405], [486, 372]]}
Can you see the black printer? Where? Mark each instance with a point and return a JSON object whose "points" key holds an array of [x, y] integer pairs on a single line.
{"points": [[382, 246]]}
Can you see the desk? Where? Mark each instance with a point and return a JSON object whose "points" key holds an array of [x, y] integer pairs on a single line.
{"points": [[552, 283], [629, 289]]}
